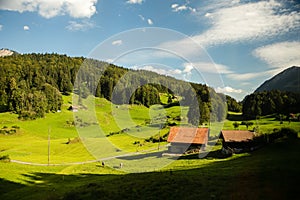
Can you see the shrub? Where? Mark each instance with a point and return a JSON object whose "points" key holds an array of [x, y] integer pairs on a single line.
{"points": [[15, 127], [172, 124], [288, 132], [5, 158]]}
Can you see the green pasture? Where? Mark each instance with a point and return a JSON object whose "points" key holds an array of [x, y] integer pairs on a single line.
{"points": [[116, 134], [30, 143], [263, 124], [268, 173]]}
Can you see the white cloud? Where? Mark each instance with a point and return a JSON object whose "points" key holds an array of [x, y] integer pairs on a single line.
{"points": [[237, 22], [207, 67], [245, 76], [228, 89], [135, 1], [117, 42], [170, 72], [1, 26], [48, 9], [252, 75], [109, 60], [79, 26], [175, 5], [26, 28], [280, 55], [180, 8], [186, 47], [188, 67], [150, 22], [142, 17], [177, 8], [208, 15]]}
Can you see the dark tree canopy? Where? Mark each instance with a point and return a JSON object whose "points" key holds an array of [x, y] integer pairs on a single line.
{"points": [[270, 102], [233, 105]]}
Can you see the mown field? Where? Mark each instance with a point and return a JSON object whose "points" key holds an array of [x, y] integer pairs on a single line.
{"points": [[268, 173]]}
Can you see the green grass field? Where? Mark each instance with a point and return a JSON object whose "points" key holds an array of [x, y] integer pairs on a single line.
{"points": [[30, 143], [268, 173], [265, 124]]}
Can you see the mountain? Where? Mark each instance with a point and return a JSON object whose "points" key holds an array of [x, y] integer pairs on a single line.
{"points": [[287, 80], [6, 52]]}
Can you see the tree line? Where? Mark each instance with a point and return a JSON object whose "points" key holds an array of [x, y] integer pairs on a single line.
{"points": [[270, 102], [33, 84]]}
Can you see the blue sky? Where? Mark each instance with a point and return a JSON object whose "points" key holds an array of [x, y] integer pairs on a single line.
{"points": [[239, 43]]}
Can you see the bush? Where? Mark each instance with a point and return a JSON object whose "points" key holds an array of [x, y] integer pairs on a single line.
{"points": [[27, 115], [5, 158], [289, 133], [172, 124], [286, 133], [15, 127]]}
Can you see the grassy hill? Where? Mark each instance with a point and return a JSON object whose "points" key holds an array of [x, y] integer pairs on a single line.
{"points": [[111, 119], [268, 173]]}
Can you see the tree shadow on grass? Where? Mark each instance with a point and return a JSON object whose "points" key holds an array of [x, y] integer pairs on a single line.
{"points": [[235, 117], [216, 154], [142, 156]]}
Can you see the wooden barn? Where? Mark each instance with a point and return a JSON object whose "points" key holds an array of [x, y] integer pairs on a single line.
{"points": [[187, 138], [236, 141]]}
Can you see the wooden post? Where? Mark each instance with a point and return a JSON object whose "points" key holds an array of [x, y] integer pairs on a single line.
{"points": [[158, 140], [49, 146]]}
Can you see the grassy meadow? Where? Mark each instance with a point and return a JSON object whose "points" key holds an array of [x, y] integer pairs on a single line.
{"points": [[110, 130]]}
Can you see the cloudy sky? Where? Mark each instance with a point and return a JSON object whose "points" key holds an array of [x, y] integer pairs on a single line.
{"points": [[241, 42]]}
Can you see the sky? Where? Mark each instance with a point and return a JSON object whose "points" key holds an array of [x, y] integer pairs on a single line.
{"points": [[231, 45]]}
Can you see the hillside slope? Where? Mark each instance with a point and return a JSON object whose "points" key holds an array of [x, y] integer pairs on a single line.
{"points": [[287, 80]]}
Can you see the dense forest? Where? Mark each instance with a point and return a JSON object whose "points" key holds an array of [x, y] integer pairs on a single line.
{"points": [[33, 84], [270, 102], [233, 105]]}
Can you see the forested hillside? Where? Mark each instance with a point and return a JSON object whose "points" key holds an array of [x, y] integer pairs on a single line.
{"points": [[287, 80], [233, 105], [33, 84], [270, 102]]}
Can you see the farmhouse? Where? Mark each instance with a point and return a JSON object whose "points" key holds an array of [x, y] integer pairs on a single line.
{"points": [[186, 138], [235, 141]]}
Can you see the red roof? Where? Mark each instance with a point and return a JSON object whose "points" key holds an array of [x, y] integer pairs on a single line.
{"points": [[188, 135], [237, 136]]}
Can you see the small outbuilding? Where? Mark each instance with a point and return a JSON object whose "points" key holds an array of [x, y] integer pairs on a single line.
{"points": [[73, 108], [182, 139], [236, 141]]}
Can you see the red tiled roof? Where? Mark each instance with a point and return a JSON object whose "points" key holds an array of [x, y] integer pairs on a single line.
{"points": [[237, 136], [188, 135]]}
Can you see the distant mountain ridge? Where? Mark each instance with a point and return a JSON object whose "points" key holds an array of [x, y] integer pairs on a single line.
{"points": [[287, 80], [6, 52]]}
